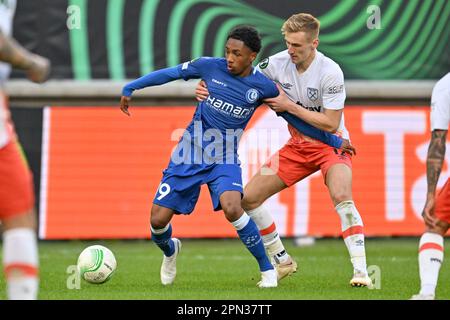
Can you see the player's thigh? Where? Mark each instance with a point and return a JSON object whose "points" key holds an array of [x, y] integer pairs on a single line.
{"points": [[225, 180], [261, 186], [339, 182], [289, 165], [16, 183]]}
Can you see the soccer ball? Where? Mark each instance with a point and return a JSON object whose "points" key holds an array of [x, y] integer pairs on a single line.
{"points": [[96, 264]]}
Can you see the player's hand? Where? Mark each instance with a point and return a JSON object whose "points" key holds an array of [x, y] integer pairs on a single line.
{"points": [[39, 69], [347, 147], [280, 103], [428, 212], [201, 91], [125, 104]]}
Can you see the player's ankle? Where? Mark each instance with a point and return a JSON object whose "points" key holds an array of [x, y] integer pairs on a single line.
{"points": [[281, 257]]}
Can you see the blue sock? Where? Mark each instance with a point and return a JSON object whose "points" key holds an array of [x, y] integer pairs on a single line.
{"points": [[249, 234], [162, 238]]}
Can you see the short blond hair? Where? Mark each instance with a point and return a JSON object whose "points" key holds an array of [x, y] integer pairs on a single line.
{"points": [[302, 22]]}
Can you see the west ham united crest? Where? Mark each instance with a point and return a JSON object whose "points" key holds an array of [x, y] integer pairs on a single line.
{"points": [[313, 94]]}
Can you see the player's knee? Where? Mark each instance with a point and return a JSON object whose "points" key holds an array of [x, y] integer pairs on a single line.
{"points": [[22, 220], [340, 196], [157, 219], [232, 211], [440, 228], [250, 202], [158, 222]]}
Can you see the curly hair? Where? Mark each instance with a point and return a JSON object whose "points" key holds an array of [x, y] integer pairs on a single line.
{"points": [[248, 35]]}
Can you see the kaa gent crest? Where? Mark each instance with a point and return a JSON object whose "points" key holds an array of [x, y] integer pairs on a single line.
{"points": [[313, 94]]}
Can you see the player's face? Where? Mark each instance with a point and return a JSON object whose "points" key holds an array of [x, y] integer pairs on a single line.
{"points": [[239, 57], [300, 46]]}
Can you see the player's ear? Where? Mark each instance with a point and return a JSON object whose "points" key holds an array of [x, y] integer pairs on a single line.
{"points": [[316, 43], [253, 56]]}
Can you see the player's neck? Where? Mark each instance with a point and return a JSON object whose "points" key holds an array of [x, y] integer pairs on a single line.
{"points": [[246, 72], [303, 66]]}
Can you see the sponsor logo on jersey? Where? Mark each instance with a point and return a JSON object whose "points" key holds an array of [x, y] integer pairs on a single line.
{"points": [[335, 89], [317, 109], [219, 82], [229, 108], [286, 85], [263, 64], [313, 93], [252, 95]]}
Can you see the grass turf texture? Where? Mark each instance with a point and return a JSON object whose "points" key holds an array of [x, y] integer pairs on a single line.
{"points": [[224, 269]]}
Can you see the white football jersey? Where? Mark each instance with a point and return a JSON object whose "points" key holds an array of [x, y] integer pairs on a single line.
{"points": [[320, 87], [7, 9], [440, 104]]}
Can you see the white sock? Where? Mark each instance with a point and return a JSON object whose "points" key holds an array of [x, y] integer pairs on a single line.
{"points": [[269, 234], [352, 232], [431, 256], [20, 262], [240, 223]]}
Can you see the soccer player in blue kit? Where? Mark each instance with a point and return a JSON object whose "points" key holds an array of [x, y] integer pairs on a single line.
{"points": [[207, 152]]}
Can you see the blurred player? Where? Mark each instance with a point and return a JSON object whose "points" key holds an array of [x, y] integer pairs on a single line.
{"points": [[436, 212], [315, 93], [20, 254], [237, 89]]}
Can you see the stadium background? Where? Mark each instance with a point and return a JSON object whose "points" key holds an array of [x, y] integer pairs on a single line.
{"points": [[96, 171]]}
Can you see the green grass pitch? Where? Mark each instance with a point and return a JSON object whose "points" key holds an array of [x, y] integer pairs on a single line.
{"points": [[225, 270]]}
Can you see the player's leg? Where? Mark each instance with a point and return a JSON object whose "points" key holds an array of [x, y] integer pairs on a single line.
{"points": [[339, 182], [431, 247], [20, 252], [248, 233], [162, 229], [225, 186], [256, 192], [283, 169], [176, 194], [431, 257], [162, 236]]}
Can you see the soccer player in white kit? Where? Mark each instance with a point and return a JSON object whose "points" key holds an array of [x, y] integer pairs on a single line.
{"points": [[436, 212], [314, 91], [17, 215]]}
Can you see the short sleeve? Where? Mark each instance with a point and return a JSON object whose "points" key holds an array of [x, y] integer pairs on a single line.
{"points": [[194, 69], [271, 90], [333, 90], [440, 108], [266, 68]]}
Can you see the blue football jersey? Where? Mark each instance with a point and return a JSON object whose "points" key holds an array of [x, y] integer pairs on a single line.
{"points": [[220, 119]]}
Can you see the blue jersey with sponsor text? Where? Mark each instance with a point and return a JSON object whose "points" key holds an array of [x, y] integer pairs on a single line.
{"points": [[212, 136]]}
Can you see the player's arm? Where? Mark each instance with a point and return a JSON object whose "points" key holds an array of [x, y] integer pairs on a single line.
{"points": [[36, 67], [188, 70], [321, 135], [435, 160], [313, 132], [201, 91], [328, 121], [152, 79]]}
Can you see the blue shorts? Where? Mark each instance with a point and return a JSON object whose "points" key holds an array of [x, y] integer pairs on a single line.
{"points": [[180, 192]]}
